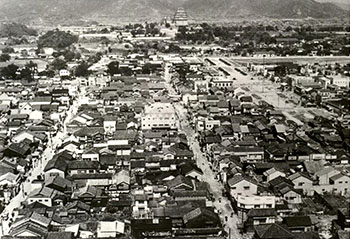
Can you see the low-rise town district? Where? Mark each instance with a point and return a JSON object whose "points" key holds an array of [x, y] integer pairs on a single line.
{"points": [[176, 130]]}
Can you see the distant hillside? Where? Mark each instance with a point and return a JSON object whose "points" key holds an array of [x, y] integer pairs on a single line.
{"points": [[344, 4], [15, 30], [66, 11]]}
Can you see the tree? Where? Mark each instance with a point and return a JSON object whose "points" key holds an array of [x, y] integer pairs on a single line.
{"points": [[10, 72], [82, 70], [95, 58], [58, 64], [33, 67], [48, 73], [113, 68], [126, 71], [147, 68], [69, 55], [318, 100], [77, 55], [8, 50], [4, 57], [26, 74]]}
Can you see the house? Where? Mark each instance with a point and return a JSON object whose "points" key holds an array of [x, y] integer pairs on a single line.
{"points": [[343, 218], [272, 231], [109, 124], [323, 176], [291, 195], [302, 181], [247, 153], [245, 203], [99, 180], [180, 183], [298, 223], [121, 181], [280, 182], [36, 115], [21, 149], [33, 225], [91, 154], [341, 183], [25, 108], [24, 135], [191, 170], [9, 179], [143, 227], [46, 196], [60, 235], [57, 166], [201, 217], [241, 185], [259, 216], [89, 194], [78, 208], [110, 229], [60, 184], [71, 146], [273, 173]]}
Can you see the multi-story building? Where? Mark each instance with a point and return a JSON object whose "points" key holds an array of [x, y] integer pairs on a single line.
{"points": [[159, 116]]}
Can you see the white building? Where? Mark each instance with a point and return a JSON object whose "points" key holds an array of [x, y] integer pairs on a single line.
{"points": [[254, 201], [110, 124], [110, 229], [222, 82], [64, 73], [341, 81], [159, 115]]}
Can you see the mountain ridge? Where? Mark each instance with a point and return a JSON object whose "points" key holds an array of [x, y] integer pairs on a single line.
{"points": [[63, 11]]}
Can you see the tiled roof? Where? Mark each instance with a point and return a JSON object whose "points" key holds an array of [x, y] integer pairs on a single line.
{"points": [[273, 231]]}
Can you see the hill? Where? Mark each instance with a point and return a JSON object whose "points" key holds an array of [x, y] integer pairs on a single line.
{"points": [[63, 11], [345, 4], [15, 30]]}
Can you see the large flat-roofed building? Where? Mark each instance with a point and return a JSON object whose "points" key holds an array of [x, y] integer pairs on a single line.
{"points": [[159, 115], [181, 18]]}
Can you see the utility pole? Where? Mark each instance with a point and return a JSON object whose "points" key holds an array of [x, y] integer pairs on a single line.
{"points": [[263, 84]]}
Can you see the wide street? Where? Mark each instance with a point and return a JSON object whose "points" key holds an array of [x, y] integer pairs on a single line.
{"points": [[38, 167], [222, 204]]}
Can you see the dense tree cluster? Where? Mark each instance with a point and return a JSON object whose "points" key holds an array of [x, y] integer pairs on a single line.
{"points": [[4, 57], [13, 72], [57, 39], [82, 70]]}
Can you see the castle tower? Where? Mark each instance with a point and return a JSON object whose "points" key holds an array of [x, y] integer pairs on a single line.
{"points": [[180, 18]]}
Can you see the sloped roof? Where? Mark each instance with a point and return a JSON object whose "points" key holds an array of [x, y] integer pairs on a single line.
{"points": [[238, 178], [262, 212], [273, 231], [338, 176], [298, 221], [180, 179], [56, 163], [312, 166], [82, 164], [199, 212], [60, 235]]}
